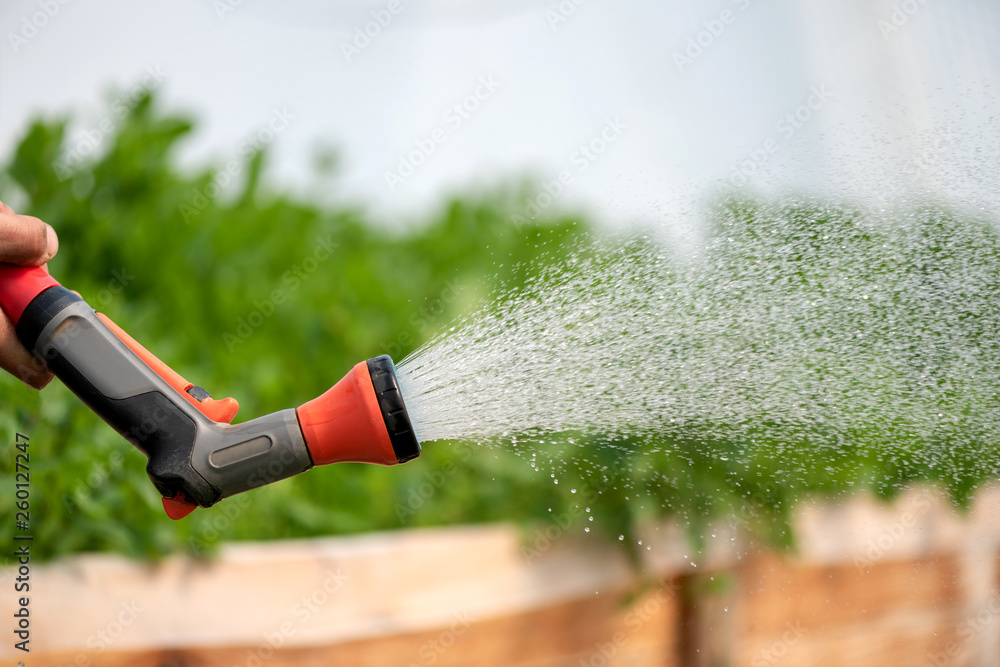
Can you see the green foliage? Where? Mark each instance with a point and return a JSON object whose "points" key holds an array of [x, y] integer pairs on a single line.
{"points": [[258, 296], [270, 299]]}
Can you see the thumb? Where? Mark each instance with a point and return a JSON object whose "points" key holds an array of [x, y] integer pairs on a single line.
{"points": [[26, 240]]}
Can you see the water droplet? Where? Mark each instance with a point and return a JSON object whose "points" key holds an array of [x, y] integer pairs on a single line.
{"points": [[758, 328]]}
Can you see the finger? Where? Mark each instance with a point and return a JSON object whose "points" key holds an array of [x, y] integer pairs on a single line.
{"points": [[51, 242], [18, 361], [53, 246], [26, 240], [6, 209]]}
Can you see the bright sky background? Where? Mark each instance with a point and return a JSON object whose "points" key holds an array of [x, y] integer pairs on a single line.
{"points": [[905, 88]]}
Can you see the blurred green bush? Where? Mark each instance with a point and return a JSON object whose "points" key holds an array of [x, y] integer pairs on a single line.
{"points": [[256, 295], [269, 298]]}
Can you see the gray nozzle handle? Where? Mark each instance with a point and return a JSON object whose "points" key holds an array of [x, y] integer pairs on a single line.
{"points": [[188, 452]]}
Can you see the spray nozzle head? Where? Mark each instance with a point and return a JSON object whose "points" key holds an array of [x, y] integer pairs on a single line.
{"points": [[390, 399], [362, 418]]}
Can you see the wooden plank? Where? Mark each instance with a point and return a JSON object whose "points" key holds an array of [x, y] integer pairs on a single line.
{"points": [[598, 631], [871, 584], [778, 591]]}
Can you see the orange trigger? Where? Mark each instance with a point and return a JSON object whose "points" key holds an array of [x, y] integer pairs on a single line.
{"points": [[223, 410], [178, 507]]}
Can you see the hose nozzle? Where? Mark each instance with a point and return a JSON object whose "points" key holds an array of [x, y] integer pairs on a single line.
{"points": [[362, 418], [196, 455]]}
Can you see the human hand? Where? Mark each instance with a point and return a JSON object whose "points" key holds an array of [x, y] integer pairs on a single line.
{"points": [[25, 241]]}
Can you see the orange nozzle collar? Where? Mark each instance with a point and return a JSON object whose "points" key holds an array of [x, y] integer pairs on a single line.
{"points": [[346, 424]]}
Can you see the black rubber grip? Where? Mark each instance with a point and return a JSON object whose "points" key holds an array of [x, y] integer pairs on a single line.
{"points": [[390, 402], [40, 312]]}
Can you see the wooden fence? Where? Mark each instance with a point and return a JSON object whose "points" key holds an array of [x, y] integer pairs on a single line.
{"points": [[910, 584]]}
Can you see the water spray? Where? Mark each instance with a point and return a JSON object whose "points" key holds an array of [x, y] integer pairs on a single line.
{"points": [[197, 457]]}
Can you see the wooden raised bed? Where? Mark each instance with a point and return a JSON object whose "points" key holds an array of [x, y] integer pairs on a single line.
{"points": [[908, 584]]}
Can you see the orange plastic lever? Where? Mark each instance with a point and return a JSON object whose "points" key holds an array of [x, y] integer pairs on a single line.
{"points": [[223, 410], [178, 507]]}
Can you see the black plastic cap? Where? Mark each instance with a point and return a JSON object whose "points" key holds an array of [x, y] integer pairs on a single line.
{"points": [[390, 402]]}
